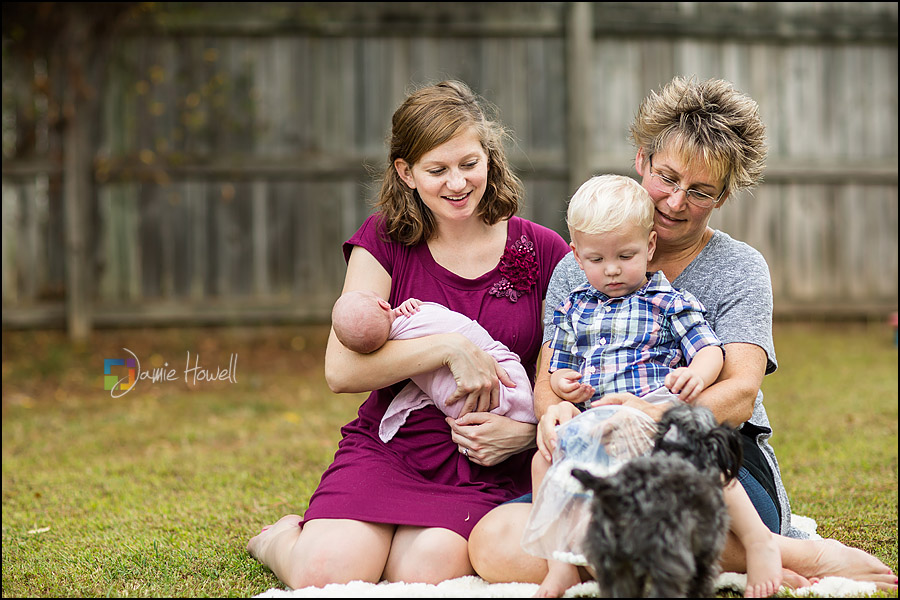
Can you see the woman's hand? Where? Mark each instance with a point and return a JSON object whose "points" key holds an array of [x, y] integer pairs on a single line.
{"points": [[554, 416], [488, 439], [478, 376]]}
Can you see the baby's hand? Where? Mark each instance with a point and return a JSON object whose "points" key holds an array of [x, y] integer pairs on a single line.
{"points": [[686, 383], [408, 308]]}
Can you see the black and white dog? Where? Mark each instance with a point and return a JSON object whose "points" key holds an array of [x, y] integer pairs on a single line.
{"points": [[659, 523]]}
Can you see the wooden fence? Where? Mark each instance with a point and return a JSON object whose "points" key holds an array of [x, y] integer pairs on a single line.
{"points": [[234, 145]]}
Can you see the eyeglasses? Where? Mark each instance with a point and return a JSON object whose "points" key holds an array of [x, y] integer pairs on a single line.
{"points": [[695, 197]]}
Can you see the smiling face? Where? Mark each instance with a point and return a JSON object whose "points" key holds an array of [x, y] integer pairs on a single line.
{"points": [[451, 178], [678, 223], [615, 263]]}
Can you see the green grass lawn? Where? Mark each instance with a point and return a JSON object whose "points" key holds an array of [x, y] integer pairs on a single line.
{"points": [[156, 493]]}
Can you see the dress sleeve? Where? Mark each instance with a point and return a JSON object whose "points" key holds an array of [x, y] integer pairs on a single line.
{"points": [[372, 236], [554, 249]]}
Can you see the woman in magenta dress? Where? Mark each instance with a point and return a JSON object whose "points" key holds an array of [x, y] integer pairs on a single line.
{"points": [[444, 231]]}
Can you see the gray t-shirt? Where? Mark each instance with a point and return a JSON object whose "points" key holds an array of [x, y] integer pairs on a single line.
{"points": [[732, 281]]}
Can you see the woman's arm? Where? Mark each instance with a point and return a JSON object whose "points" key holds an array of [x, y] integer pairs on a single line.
{"points": [[477, 373], [732, 397], [550, 409], [704, 369], [544, 397], [742, 306]]}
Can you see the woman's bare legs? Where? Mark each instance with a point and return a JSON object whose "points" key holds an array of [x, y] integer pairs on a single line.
{"points": [[427, 555], [324, 551], [327, 551], [495, 547], [814, 559]]}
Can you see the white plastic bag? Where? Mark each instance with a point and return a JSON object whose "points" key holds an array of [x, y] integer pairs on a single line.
{"points": [[599, 440]]}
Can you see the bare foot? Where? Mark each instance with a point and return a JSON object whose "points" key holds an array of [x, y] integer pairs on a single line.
{"points": [[795, 581], [560, 577], [764, 572], [835, 559], [286, 529]]}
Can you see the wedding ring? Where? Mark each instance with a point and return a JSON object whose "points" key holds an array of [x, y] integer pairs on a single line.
{"points": [[466, 452]]}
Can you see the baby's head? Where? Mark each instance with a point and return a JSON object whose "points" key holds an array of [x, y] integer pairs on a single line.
{"points": [[610, 221], [362, 321]]}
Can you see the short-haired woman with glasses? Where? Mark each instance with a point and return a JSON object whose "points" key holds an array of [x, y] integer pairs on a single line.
{"points": [[697, 143]]}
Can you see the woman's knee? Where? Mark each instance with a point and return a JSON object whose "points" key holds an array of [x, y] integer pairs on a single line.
{"points": [[495, 548], [338, 552], [486, 537], [427, 555]]}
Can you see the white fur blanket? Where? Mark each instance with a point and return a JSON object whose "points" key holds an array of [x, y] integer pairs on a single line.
{"points": [[475, 587]]}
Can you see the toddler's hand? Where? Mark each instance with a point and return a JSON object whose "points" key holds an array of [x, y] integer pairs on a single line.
{"points": [[408, 308], [686, 383], [566, 383]]}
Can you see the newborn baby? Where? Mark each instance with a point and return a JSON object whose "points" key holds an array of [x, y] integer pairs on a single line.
{"points": [[364, 322]]}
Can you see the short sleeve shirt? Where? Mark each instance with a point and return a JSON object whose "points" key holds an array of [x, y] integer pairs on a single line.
{"points": [[629, 344]]}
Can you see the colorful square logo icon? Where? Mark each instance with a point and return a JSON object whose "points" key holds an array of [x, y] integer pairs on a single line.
{"points": [[110, 380]]}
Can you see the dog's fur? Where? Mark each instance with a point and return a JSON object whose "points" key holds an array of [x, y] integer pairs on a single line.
{"points": [[658, 524]]}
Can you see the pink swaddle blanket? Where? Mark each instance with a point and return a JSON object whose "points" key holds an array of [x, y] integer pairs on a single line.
{"points": [[435, 387]]}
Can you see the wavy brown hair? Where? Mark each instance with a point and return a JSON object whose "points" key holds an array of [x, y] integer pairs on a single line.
{"points": [[709, 120], [427, 118]]}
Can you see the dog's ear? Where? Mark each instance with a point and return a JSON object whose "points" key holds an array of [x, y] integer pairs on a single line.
{"points": [[679, 422], [727, 451], [674, 431], [673, 444], [669, 420], [590, 481], [666, 436]]}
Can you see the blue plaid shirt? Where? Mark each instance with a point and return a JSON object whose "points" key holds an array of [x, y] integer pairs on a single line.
{"points": [[629, 344]]}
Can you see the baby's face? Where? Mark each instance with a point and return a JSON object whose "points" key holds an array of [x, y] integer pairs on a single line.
{"points": [[615, 263]]}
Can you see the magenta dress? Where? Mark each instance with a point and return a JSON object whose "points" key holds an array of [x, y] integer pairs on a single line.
{"points": [[419, 477]]}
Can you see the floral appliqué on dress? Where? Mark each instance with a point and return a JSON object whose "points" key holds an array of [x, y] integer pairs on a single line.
{"points": [[518, 270]]}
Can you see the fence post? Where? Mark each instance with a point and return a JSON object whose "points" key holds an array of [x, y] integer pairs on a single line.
{"points": [[579, 44], [77, 156]]}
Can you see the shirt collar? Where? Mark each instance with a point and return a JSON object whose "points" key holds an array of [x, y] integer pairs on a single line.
{"points": [[656, 282]]}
